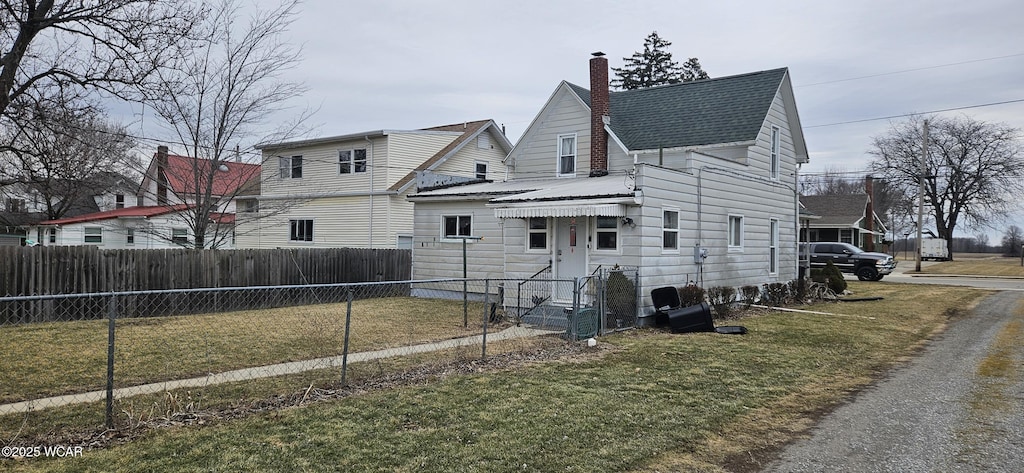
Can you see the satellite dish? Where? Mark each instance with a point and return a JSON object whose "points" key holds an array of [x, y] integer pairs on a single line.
{"points": [[223, 168]]}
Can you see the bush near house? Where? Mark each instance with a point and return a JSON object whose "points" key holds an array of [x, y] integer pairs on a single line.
{"points": [[691, 295], [722, 299]]}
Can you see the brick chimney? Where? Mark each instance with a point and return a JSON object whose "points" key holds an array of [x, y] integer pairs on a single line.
{"points": [[599, 109], [869, 222], [161, 175]]}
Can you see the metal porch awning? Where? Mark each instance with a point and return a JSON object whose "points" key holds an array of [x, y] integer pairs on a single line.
{"points": [[565, 209]]}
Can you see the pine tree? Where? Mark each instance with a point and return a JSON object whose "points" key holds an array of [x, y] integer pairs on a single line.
{"points": [[654, 66]]}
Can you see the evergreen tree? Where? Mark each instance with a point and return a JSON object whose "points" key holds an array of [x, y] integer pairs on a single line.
{"points": [[654, 66]]}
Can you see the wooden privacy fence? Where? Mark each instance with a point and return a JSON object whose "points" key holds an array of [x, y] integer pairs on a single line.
{"points": [[41, 270]]}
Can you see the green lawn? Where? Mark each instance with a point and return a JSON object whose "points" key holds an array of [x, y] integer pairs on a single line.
{"points": [[642, 400]]}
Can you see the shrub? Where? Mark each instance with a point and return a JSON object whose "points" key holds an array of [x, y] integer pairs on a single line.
{"points": [[690, 295], [777, 294], [621, 297], [834, 278], [722, 298], [750, 295]]}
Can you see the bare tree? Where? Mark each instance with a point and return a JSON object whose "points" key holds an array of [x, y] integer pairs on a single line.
{"points": [[217, 95], [63, 152], [112, 45], [971, 173], [1012, 241]]}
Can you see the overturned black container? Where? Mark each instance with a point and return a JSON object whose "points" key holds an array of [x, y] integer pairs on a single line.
{"points": [[695, 318]]}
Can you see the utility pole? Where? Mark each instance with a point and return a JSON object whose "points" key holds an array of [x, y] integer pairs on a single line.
{"points": [[920, 195]]}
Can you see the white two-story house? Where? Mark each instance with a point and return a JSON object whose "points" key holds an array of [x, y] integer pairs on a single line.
{"points": [[689, 183], [350, 190]]}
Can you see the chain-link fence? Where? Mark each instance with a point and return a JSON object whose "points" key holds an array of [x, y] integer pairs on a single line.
{"points": [[122, 358]]}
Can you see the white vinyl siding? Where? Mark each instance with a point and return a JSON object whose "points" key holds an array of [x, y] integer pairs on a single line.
{"points": [[434, 257], [537, 152]]}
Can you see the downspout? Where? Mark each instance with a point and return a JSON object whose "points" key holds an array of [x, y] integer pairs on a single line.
{"points": [[369, 158]]}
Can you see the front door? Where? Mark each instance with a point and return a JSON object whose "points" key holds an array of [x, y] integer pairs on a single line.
{"points": [[571, 245]]}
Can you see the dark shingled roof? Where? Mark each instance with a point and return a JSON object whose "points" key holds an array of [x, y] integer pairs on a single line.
{"points": [[838, 210], [721, 110]]}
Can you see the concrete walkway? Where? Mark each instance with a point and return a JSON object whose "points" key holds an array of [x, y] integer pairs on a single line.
{"points": [[266, 371]]}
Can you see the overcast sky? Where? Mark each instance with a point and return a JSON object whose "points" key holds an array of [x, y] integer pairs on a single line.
{"points": [[388, 64]]}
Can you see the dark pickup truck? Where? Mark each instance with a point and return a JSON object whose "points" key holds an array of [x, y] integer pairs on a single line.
{"points": [[866, 265]]}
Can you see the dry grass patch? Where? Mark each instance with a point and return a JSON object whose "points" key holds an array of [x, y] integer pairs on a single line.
{"points": [[997, 266], [162, 348], [657, 402]]}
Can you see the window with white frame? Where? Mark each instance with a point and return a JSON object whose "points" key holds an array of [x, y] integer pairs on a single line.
{"points": [[352, 161], [538, 230], [567, 154], [846, 235], [119, 201], [179, 236], [300, 229], [53, 235], [481, 170], [670, 230], [776, 138], [129, 236], [93, 234], [290, 167], [607, 229], [735, 232], [457, 225], [773, 247]]}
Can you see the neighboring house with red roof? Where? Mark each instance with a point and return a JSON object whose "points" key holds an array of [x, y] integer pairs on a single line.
{"points": [[172, 179], [140, 227], [349, 190]]}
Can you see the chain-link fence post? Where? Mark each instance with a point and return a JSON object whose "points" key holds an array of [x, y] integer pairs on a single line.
{"points": [[487, 300], [348, 326], [111, 319]]}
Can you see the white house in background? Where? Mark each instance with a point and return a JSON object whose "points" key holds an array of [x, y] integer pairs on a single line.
{"points": [[139, 227], [350, 190], [690, 182]]}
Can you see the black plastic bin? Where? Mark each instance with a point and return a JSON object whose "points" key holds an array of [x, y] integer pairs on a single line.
{"points": [[695, 318]]}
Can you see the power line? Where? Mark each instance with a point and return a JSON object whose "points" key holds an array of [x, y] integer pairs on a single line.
{"points": [[910, 70], [966, 107]]}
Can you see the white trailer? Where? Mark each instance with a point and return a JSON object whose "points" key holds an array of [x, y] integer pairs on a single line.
{"points": [[935, 249]]}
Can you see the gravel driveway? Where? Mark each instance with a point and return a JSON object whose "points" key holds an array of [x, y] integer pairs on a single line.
{"points": [[936, 413]]}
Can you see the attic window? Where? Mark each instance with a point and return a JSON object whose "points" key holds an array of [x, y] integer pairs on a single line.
{"points": [[481, 170]]}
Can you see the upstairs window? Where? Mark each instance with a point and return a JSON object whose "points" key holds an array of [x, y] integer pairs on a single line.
{"points": [[351, 161], [567, 155], [119, 201], [481, 170], [775, 153], [290, 167]]}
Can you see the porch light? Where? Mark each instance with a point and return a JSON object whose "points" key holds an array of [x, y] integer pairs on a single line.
{"points": [[626, 221]]}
